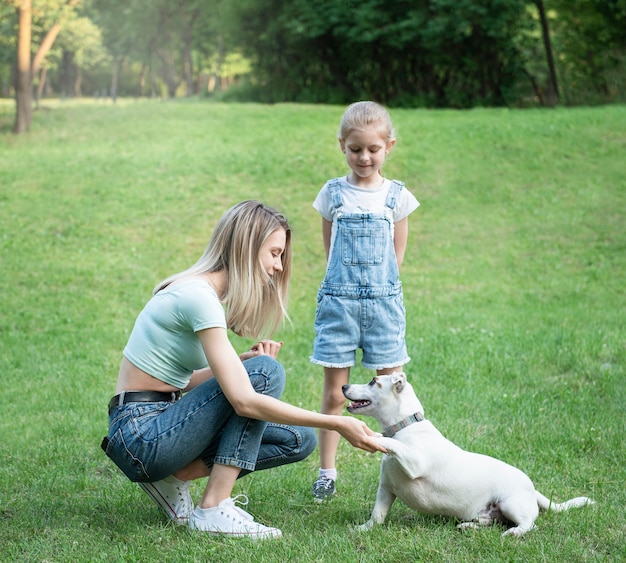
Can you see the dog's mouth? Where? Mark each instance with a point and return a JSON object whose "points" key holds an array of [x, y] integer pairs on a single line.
{"points": [[358, 405]]}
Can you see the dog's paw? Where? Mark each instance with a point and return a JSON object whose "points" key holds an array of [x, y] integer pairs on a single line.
{"points": [[363, 527], [519, 531], [389, 443], [466, 526]]}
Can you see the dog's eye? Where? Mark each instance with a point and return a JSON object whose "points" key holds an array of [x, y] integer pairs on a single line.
{"points": [[372, 383]]}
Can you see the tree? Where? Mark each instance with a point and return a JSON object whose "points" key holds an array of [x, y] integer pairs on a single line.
{"points": [[553, 97], [27, 68], [433, 52], [23, 80], [590, 37]]}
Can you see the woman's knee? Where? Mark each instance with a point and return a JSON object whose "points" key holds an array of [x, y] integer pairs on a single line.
{"points": [[308, 441], [267, 375]]}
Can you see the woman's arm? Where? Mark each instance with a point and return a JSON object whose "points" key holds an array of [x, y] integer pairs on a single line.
{"points": [[263, 348], [400, 237], [235, 383], [197, 377]]}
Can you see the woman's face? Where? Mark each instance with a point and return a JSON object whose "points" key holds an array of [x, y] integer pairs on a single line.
{"points": [[271, 253]]}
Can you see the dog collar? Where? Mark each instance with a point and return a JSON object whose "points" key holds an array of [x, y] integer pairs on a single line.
{"points": [[390, 431]]}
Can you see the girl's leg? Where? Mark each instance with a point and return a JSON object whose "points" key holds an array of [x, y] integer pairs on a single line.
{"points": [[332, 403], [387, 371]]}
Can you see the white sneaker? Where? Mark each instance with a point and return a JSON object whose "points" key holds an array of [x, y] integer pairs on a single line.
{"points": [[229, 520], [243, 501], [172, 495]]}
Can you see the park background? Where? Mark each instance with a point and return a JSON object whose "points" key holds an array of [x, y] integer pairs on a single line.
{"points": [[406, 53], [513, 281]]}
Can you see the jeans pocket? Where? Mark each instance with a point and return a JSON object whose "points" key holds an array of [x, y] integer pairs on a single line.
{"points": [[363, 247], [143, 416], [119, 453]]}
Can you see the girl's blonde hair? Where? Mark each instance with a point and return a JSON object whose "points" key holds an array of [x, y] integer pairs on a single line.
{"points": [[363, 115], [255, 303]]}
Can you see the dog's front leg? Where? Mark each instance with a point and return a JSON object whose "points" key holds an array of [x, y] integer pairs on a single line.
{"points": [[384, 500], [405, 456]]}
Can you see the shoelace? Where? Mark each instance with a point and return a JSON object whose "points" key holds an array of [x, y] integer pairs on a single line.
{"points": [[243, 501], [182, 492], [324, 483]]}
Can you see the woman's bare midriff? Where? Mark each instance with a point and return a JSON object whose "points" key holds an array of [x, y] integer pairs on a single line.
{"points": [[131, 378]]}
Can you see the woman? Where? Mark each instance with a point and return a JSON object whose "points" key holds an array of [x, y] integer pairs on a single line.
{"points": [[229, 421]]}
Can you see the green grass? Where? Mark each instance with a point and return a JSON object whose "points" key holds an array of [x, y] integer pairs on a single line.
{"points": [[514, 289]]}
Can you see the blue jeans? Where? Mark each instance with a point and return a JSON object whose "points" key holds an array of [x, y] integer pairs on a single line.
{"points": [[150, 441]]}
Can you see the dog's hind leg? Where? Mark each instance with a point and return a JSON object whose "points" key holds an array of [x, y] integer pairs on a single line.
{"points": [[486, 517], [384, 500], [522, 510]]}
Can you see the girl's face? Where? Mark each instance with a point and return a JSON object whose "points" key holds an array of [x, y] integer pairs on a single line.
{"points": [[365, 154], [271, 253]]}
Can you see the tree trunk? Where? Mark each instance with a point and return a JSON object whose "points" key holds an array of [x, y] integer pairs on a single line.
{"points": [[188, 61], [115, 78], [23, 81], [218, 64], [66, 74], [545, 32], [43, 74], [25, 69], [78, 82], [142, 79], [48, 40]]}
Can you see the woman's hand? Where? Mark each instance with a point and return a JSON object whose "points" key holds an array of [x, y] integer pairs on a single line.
{"points": [[263, 348], [359, 434]]}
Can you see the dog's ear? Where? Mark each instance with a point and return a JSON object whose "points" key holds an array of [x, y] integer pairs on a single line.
{"points": [[398, 380]]}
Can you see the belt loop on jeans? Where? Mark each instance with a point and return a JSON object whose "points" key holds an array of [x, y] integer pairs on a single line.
{"points": [[120, 398]]}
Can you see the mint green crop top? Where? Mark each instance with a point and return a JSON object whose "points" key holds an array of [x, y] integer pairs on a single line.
{"points": [[163, 342]]}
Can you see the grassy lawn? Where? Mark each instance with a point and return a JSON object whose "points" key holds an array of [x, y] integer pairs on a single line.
{"points": [[514, 284]]}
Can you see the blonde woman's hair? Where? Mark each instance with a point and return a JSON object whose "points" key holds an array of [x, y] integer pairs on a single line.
{"points": [[363, 115], [255, 303]]}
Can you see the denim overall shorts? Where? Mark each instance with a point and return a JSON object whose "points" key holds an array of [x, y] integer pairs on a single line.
{"points": [[359, 303]]}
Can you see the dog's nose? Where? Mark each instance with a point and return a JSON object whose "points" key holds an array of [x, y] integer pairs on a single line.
{"points": [[344, 387]]}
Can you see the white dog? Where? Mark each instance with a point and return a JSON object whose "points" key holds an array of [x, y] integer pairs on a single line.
{"points": [[434, 476]]}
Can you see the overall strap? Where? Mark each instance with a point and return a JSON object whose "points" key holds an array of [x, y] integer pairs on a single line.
{"points": [[396, 187], [333, 188]]}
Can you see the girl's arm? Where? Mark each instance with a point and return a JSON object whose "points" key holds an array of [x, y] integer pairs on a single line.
{"points": [[235, 383], [400, 237], [326, 230]]}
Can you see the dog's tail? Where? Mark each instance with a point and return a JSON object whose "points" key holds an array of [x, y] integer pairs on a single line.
{"points": [[546, 504]]}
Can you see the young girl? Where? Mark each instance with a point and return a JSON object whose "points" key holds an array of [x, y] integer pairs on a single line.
{"points": [[359, 304], [229, 421]]}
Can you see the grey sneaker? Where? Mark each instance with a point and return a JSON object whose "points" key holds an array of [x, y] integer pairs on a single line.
{"points": [[227, 520], [323, 489], [172, 495]]}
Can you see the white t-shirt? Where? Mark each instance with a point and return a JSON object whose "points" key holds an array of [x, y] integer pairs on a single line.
{"points": [[363, 200]]}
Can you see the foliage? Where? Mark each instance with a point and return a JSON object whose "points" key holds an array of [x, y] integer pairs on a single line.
{"points": [[406, 53], [8, 34], [447, 52], [591, 46], [513, 282]]}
